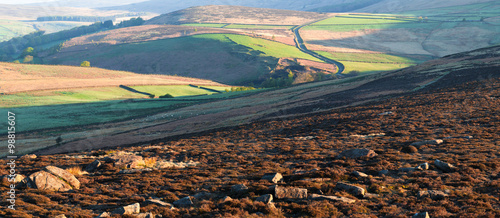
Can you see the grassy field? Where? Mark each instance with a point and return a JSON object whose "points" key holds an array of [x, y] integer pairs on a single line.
{"points": [[11, 28], [359, 61], [371, 67], [29, 118], [363, 19], [267, 47], [177, 91], [252, 26]]}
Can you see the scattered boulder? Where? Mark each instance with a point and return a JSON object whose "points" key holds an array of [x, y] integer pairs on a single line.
{"points": [[359, 174], [370, 195], [386, 113], [421, 215], [358, 153], [46, 181], [407, 169], [226, 199], [65, 175], [305, 138], [29, 156], [104, 214], [316, 180], [184, 202], [428, 142], [17, 178], [126, 160], [332, 198], [290, 193], [433, 194], [446, 167], [158, 202], [128, 210], [410, 149], [60, 216], [132, 171], [145, 215], [93, 166], [273, 177], [265, 198], [368, 136], [239, 189], [424, 166], [356, 190]]}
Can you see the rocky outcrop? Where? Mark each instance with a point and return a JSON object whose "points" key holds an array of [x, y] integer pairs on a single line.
{"points": [[126, 160], [65, 175], [433, 194], [355, 190], [128, 210], [54, 179], [265, 198]]}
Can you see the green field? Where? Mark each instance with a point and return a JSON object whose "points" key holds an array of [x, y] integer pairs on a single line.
{"points": [[267, 47], [11, 28], [71, 96], [377, 57], [255, 26], [177, 91], [64, 115], [363, 19], [371, 67], [347, 28], [214, 25]]}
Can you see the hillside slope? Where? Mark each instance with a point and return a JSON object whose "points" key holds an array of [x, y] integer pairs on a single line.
{"points": [[236, 14], [397, 6]]}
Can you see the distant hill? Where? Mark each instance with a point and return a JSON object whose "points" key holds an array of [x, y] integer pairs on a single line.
{"points": [[86, 4], [236, 14], [394, 6], [166, 6], [30, 12]]}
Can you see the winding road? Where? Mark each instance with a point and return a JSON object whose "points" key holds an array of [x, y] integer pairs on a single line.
{"points": [[299, 43]]}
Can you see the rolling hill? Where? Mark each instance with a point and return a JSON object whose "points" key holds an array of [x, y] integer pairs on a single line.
{"points": [[398, 6]]}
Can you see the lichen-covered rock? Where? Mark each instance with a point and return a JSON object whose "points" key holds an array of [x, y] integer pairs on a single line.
{"points": [[356, 190], [289, 193], [65, 175], [46, 181]]}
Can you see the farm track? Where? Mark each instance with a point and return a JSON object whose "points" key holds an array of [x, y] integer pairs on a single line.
{"points": [[299, 43]]}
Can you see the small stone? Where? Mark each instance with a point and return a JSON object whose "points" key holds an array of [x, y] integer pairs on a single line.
{"points": [[17, 178], [332, 198], [358, 153], [446, 167], [290, 192], [132, 171], [129, 209], [370, 195], [240, 188], [273, 177], [105, 214], [424, 166], [265, 198], [407, 169], [421, 215], [157, 202], [203, 196], [410, 149], [356, 190], [433, 194], [60, 216], [226, 199], [30, 156], [386, 113], [383, 172], [93, 166], [359, 174], [126, 160], [428, 142], [184, 202]]}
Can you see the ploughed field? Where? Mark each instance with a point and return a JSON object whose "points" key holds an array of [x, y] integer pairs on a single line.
{"points": [[458, 124]]}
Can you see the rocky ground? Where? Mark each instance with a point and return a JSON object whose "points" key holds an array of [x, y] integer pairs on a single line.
{"points": [[434, 152]]}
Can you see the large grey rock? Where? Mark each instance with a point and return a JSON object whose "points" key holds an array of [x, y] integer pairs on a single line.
{"points": [[358, 153], [239, 189], [126, 160], [265, 198], [433, 194], [93, 166], [428, 142], [421, 215], [65, 175], [289, 192], [355, 190], [128, 210], [446, 167], [46, 181], [184, 202], [273, 177], [332, 198]]}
